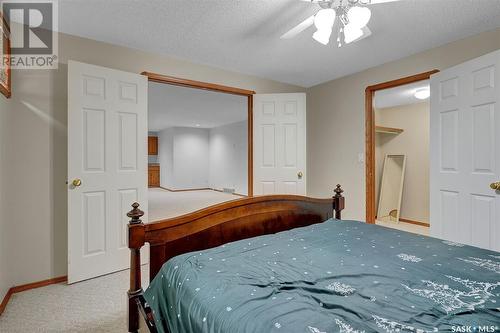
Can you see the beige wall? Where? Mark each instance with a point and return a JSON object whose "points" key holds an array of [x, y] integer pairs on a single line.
{"points": [[414, 143], [34, 143], [33, 166], [336, 117]]}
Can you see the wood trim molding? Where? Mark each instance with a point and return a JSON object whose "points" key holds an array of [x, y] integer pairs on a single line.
{"points": [[5, 300], [196, 84], [233, 193], [202, 189], [223, 89], [370, 135], [28, 286], [402, 81], [250, 146], [186, 190], [422, 224]]}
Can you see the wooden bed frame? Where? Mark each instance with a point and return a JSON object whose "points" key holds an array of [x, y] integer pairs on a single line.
{"points": [[214, 226]]}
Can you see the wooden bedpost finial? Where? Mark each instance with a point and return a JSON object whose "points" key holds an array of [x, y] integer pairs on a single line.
{"points": [[338, 202], [338, 191], [135, 214], [135, 242]]}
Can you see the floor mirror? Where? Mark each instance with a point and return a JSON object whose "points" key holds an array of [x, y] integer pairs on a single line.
{"points": [[391, 188]]}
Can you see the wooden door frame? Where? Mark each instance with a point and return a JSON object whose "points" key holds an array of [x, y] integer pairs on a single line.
{"points": [[159, 78], [370, 135]]}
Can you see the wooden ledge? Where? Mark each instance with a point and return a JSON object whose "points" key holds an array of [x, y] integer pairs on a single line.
{"points": [[388, 130]]}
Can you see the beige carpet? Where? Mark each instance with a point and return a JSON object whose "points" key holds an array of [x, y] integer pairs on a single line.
{"points": [[96, 305], [164, 204]]}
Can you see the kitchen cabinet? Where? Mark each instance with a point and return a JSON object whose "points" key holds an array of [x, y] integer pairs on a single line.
{"points": [[152, 145], [154, 175]]}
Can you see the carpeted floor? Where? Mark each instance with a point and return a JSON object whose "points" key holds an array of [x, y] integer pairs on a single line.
{"points": [[98, 305], [164, 204], [416, 229]]}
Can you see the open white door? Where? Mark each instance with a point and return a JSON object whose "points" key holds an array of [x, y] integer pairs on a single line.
{"points": [[465, 153], [107, 161], [279, 144]]}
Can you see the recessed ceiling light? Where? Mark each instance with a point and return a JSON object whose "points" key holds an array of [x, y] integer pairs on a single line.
{"points": [[197, 125], [422, 93]]}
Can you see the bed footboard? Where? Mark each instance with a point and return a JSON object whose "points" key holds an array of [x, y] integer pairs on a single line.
{"points": [[214, 226]]}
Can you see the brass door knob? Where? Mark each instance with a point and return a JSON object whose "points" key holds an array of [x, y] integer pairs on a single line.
{"points": [[76, 182], [495, 186], [300, 174]]}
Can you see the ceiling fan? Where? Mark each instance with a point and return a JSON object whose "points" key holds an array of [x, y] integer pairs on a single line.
{"points": [[353, 16]]}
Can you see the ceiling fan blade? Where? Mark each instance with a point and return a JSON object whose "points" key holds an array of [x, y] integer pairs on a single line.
{"points": [[366, 33], [298, 28]]}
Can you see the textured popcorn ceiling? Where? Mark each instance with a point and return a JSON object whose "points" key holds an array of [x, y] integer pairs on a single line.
{"points": [[243, 35], [401, 95]]}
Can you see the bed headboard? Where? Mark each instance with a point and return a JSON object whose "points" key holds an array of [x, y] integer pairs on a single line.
{"points": [[219, 224]]}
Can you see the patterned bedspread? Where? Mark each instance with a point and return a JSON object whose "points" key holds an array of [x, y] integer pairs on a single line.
{"points": [[337, 276]]}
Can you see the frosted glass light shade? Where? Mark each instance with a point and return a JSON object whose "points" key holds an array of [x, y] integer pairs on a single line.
{"points": [[352, 33], [359, 16], [323, 36], [324, 19], [423, 93]]}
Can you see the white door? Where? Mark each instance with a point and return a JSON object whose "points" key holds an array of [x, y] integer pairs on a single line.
{"points": [[279, 144], [465, 153], [107, 152]]}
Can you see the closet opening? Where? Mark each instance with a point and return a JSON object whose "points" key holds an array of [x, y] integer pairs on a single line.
{"points": [[397, 153]]}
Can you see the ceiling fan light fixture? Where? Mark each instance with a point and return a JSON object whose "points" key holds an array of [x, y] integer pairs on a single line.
{"points": [[422, 93], [352, 33], [325, 19], [359, 16], [323, 36]]}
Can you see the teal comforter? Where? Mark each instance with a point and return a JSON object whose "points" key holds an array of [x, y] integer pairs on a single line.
{"points": [[337, 276]]}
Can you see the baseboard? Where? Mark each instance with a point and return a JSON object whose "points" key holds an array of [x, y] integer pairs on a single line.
{"points": [[28, 286], [200, 189], [185, 190], [422, 224], [233, 193], [5, 300]]}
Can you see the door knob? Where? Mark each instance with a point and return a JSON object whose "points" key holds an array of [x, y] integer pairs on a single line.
{"points": [[76, 182], [495, 186], [300, 174]]}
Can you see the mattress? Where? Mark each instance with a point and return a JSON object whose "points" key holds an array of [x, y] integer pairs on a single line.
{"points": [[336, 276]]}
